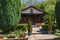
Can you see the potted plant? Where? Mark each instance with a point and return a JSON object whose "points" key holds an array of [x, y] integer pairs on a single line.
{"points": [[1, 37], [22, 35]]}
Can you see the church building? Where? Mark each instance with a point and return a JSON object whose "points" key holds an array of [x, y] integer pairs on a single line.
{"points": [[35, 14]]}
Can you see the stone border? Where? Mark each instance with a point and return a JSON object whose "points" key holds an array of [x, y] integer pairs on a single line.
{"points": [[16, 39]]}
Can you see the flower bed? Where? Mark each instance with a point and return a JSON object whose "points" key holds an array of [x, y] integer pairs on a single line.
{"points": [[18, 33]]}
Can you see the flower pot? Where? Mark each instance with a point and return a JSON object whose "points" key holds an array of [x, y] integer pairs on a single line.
{"points": [[1, 37], [22, 36]]}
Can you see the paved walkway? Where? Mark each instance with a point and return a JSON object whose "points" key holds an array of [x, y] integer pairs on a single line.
{"points": [[38, 36], [42, 36]]}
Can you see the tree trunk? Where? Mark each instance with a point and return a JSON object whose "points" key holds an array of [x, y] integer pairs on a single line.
{"points": [[50, 26]]}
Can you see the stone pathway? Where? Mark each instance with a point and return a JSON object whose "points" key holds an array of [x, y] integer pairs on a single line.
{"points": [[42, 37], [34, 30], [38, 36]]}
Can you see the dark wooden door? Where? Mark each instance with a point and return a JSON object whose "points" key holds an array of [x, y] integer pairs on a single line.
{"points": [[33, 22]]}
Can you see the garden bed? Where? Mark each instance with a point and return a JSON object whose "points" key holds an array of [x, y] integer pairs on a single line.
{"points": [[16, 39]]}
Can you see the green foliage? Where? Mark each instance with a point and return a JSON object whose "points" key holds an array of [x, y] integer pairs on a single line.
{"points": [[57, 12], [30, 2], [23, 27], [42, 7], [57, 32], [16, 33], [9, 14], [10, 36], [49, 6], [45, 27], [54, 27], [19, 32], [23, 5], [1, 31], [29, 25]]}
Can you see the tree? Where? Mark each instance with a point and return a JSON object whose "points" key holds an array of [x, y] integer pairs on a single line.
{"points": [[30, 2], [23, 5], [57, 12], [50, 9], [37, 4], [9, 14]]}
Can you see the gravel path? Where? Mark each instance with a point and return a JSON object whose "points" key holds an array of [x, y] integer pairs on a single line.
{"points": [[42, 36], [39, 36]]}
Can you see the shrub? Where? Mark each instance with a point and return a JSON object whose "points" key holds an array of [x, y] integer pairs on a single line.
{"points": [[23, 27], [9, 14], [11, 36], [29, 25], [19, 32], [54, 27], [45, 27], [57, 32]]}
